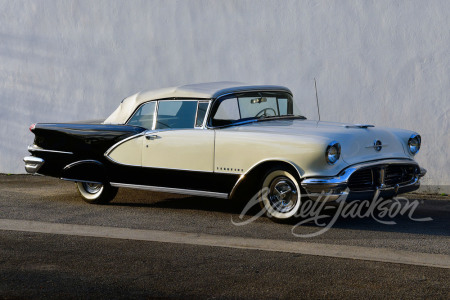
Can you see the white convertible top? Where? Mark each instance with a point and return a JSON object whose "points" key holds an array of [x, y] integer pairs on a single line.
{"points": [[208, 90]]}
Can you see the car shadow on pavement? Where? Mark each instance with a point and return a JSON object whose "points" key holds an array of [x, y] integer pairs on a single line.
{"points": [[171, 201], [437, 210], [428, 219]]}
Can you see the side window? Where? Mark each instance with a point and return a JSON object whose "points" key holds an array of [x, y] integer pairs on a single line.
{"points": [[176, 114], [144, 116], [201, 113], [283, 106]]}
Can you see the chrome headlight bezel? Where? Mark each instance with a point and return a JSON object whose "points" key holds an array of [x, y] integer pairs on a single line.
{"points": [[333, 152], [414, 143]]}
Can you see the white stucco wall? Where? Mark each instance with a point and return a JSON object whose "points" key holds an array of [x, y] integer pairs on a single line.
{"points": [[381, 62]]}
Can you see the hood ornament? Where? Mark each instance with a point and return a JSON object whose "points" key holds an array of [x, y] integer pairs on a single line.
{"points": [[365, 126], [377, 145]]}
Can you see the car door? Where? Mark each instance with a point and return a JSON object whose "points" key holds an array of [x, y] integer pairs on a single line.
{"points": [[179, 140]]}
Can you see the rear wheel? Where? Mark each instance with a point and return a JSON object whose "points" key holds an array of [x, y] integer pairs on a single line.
{"points": [[96, 193], [281, 196]]}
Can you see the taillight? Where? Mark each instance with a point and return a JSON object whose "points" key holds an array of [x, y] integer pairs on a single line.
{"points": [[32, 126]]}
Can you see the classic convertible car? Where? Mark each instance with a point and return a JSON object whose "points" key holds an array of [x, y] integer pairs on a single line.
{"points": [[225, 139]]}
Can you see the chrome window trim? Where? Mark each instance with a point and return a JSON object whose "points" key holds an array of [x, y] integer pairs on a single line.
{"points": [[178, 99], [206, 114], [253, 90], [234, 124], [172, 190], [155, 114], [135, 111], [218, 99]]}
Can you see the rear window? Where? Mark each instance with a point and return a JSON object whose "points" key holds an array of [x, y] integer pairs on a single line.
{"points": [[143, 117]]}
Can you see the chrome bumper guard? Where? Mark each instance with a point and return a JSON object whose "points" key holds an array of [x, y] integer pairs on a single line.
{"points": [[337, 188], [33, 164]]}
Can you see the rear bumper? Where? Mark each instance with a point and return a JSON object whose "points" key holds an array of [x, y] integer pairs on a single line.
{"points": [[33, 164], [340, 187]]}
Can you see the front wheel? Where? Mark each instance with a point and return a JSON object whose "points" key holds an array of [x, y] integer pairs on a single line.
{"points": [[281, 196], [96, 193]]}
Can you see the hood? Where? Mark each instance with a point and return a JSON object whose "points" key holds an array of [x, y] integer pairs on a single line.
{"points": [[357, 144]]}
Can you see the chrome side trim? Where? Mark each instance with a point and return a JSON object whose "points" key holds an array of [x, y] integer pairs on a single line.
{"points": [[82, 162], [159, 168], [33, 164], [121, 142], [172, 190], [76, 180], [122, 164], [37, 148], [144, 133]]}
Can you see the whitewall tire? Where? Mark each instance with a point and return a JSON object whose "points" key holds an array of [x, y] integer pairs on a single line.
{"points": [[96, 193], [281, 195]]}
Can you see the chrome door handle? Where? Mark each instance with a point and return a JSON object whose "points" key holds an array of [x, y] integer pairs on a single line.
{"points": [[152, 137]]}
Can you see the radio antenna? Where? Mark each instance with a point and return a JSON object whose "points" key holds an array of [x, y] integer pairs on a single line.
{"points": [[317, 98]]}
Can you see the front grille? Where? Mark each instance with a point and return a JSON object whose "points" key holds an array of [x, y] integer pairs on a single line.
{"points": [[361, 180], [398, 175], [369, 179]]}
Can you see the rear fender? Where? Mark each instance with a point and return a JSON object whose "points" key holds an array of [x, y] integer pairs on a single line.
{"points": [[86, 171]]}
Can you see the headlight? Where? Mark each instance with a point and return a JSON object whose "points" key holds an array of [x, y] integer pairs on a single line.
{"points": [[333, 152], [414, 143]]}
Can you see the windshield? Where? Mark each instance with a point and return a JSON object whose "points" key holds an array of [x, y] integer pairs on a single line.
{"points": [[254, 107]]}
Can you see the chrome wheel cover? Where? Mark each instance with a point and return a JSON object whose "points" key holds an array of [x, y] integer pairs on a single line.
{"points": [[283, 194], [90, 191], [92, 188]]}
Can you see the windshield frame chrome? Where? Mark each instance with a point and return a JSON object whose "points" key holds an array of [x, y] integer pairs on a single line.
{"points": [[257, 93]]}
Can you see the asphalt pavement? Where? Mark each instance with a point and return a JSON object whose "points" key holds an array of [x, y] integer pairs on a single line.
{"points": [[153, 245]]}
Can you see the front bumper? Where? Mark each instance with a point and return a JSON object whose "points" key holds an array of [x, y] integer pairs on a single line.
{"points": [[33, 164], [362, 181]]}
